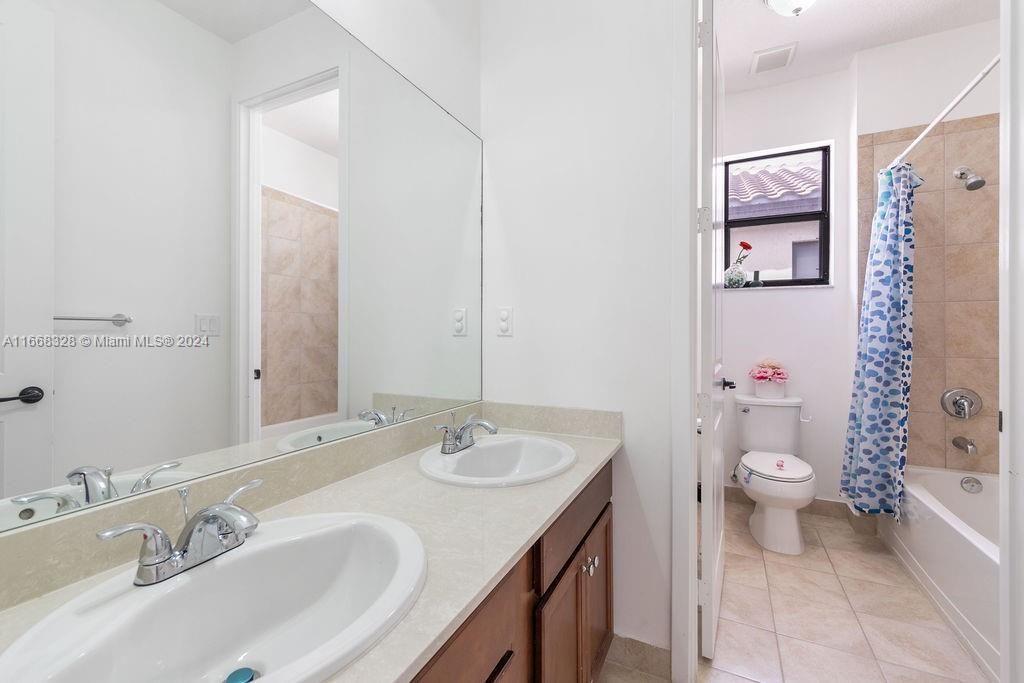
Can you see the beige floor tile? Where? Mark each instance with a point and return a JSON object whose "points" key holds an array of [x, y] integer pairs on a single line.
{"points": [[747, 651], [616, 673], [816, 622], [811, 536], [809, 663], [877, 567], [813, 557], [900, 674], [747, 605], [748, 571], [708, 674], [741, 542], [895, 602], [848, 539], [918, 647], [804, 583], [822, 521]]}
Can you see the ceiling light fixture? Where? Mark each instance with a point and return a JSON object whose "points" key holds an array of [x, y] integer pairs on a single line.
{"points": [[789, 8]]}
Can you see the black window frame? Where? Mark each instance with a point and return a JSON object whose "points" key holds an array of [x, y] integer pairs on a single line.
{"points": [[822, 217]]}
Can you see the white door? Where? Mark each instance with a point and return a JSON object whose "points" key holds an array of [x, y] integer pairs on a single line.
{"points": [[26, 241], [711, 397]]}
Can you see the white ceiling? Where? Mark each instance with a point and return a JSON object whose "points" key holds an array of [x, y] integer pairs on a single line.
{"points": [[313, 121], [233, 20], [830, 32]]}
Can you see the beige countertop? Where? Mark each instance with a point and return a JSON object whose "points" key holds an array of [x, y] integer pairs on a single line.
{"points": [[472, 538]]}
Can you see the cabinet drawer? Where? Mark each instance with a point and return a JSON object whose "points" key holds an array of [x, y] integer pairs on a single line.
{"points": [[496, 642], [560, 541]]}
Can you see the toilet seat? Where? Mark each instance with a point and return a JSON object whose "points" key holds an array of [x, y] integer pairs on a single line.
{"points": [[781, 467]]}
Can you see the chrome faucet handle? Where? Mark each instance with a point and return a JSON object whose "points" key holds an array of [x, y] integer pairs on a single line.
{"points": [[64, 501], [146, 480], [156, 544], [245, 488]]}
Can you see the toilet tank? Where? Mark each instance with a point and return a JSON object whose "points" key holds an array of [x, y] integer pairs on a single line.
{"points": [[768, 424]]}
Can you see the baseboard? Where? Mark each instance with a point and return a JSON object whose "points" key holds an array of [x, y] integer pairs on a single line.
{"points": [[862, 524], [638, 655]]}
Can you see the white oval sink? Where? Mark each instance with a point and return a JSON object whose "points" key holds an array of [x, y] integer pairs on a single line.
{"points": [[323, 434], [500, 460], [299, 600]]}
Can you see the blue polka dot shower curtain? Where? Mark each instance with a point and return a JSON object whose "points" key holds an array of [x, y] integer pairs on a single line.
{"points": [[876, 437]]}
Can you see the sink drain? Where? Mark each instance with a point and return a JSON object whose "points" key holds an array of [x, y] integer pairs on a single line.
{"points": [[245, 675]]}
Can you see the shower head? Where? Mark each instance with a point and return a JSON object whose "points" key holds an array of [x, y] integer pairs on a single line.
{"points": [[972, 181]]}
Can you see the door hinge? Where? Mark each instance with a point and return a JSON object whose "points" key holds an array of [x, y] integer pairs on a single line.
{"points": [[703, 219], [703, 33], [1000, 421], [257, 374]]}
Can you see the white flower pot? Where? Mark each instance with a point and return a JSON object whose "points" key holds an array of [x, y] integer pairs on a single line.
{"points": [[769, 390]]}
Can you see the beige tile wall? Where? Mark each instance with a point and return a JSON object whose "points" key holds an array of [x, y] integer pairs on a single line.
{"points": [[300, 308], [956, 287]]}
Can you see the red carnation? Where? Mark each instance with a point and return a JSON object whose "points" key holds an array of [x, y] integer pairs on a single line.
{"points": [[746, 245]]}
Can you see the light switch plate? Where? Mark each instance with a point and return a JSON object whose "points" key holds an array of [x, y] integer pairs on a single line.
{"points": [[460, 324], [505, 320], [208, 325]]}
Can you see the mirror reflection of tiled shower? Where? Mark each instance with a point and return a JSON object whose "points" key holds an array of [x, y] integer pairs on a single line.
{"points": [[299, 276]]}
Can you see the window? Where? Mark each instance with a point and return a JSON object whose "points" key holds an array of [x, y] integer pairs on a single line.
{"points": [[779, 204]]}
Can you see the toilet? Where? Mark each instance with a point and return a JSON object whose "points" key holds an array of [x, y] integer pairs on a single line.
{"points": [[771, 474]]}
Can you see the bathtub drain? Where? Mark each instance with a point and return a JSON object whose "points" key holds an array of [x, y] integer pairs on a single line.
{"points": [[971, 484]]}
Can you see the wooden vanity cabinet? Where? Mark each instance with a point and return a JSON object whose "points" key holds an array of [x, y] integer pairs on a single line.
{"points": [[550, 618], [574, 619]]}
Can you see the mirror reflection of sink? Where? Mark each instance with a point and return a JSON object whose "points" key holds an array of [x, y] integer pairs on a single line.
{"points": [[500, 460], [323, 434], [300, 599], [14, 514]]}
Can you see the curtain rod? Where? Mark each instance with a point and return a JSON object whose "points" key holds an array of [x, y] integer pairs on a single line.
{"points": [[945, 112]]}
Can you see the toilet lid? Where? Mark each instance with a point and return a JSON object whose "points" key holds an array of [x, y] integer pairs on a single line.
{"points": [[777, 466]]}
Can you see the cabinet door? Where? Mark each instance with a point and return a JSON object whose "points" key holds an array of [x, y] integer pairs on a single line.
{"points": [[598, 592], [560, 627]]}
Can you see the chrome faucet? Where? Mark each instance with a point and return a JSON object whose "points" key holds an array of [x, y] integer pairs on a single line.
{"points": [[64, 501], [146, 480], [460, 439], [211, 532], [375, 416], [966, 445], [96, 482]]}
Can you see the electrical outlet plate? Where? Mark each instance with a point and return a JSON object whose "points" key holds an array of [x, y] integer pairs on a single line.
{"points": [[505, 321], [460, 323]]}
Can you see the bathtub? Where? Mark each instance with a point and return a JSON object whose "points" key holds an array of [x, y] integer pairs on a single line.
{"points": [[948, 538]]}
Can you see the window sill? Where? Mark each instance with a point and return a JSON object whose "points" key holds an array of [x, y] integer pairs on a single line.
{"points": [[772, 289]]}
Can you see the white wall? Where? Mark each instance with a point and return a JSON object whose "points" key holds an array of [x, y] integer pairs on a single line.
{"points": [[434, 43], [137, 235], [909, 83], [810, 330], [413, 243], [578, 204], [302, 171]]}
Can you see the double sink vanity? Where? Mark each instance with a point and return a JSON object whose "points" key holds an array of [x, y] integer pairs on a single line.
{"points": [[490, 561]]}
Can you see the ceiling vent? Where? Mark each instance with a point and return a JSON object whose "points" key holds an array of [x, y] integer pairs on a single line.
{"points": [[773, 58]]}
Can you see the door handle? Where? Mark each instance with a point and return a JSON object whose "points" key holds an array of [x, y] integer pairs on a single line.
{"points": [[26, 395]]}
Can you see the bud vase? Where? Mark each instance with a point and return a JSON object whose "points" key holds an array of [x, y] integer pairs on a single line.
{"points": [[734, 277]]}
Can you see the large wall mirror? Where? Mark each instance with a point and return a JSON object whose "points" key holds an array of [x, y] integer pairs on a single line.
{"points": [[228, 231]]}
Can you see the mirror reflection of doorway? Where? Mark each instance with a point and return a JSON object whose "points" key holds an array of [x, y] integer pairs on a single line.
{"points": [[299, 262]]}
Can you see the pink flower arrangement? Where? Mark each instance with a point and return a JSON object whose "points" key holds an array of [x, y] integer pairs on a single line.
{"points": [[769, 370]]}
